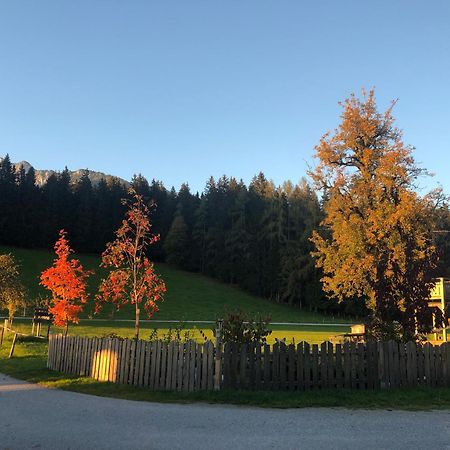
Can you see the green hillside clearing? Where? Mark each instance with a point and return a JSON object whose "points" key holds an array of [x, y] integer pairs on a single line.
{"points": [[190, 297]]}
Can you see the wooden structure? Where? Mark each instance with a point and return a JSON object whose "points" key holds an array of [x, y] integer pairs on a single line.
{"points": [[191, 367], [440, 299], [41, 316], [7, 327], [357, 334], [156, 365]]}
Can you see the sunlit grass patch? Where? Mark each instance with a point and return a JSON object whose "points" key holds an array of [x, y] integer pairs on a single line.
{"points": [[313, 334]]}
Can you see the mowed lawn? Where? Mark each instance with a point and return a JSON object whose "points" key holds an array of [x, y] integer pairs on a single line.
{"points": [[314, 334], [190, 297]]}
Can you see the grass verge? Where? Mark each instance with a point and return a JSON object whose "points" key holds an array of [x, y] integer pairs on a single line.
{"points": [[29, 363]]}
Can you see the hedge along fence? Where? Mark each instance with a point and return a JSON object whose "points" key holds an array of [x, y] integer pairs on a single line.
{"points": [[191, 366]]}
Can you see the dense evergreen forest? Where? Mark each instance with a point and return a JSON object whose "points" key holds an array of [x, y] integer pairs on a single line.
{"points": [[256, 236]]}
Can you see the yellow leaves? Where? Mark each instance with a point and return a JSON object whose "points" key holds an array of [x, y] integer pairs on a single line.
{"points": [[375, 241]]}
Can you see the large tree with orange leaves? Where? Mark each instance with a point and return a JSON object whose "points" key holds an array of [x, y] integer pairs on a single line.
{"points": [[132, 279], [66, 280], [375, 242]]}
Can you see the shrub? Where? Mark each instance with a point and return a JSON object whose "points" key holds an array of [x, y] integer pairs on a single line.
{"points": [[238, 327]]}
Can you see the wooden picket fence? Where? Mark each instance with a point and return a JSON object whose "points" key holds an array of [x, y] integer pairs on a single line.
{"points": [[156, 365], [329, 366], [191, 366]]}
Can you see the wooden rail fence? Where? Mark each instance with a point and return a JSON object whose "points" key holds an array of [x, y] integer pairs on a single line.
{"points": [[191, 366]]}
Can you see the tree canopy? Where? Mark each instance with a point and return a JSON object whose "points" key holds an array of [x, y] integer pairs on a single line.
{"points": [[254, 236], [66, 280], [12, 291], [132, 278], [375, 242]]}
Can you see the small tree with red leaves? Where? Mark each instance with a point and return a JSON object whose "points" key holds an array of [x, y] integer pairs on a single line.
{"points": [[132, 279], [66, 280]]}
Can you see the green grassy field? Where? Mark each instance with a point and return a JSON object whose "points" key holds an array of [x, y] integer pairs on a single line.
{"points": [[314, 334], [29, 363], [190, 297]]}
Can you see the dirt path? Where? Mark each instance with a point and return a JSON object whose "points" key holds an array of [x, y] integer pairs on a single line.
{"points": [[33, 417]]}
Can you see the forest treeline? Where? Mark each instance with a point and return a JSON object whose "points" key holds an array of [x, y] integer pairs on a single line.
{"points": [[255, 236]]}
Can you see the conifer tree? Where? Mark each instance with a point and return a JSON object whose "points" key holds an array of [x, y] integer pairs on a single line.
{"points": [[8, 202], [83, 198], [176, 244]]}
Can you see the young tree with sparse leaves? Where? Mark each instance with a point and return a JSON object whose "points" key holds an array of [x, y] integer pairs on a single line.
{"points": [[375, 243], [132, 279], [12, 292], [66, 280]]}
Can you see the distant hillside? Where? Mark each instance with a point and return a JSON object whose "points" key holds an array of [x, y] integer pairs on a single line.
{"points": [[43, 175], [189, 296]]}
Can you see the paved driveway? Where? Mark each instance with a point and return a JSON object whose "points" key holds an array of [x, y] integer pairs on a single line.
{"points": [[32, 417]]}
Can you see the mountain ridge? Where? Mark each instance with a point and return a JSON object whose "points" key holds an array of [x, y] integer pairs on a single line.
{"points": [[42, 175]]}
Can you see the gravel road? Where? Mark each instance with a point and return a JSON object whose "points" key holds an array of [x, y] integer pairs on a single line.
{"points": [[32, 417]]}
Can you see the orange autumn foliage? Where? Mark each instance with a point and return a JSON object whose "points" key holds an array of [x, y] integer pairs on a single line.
{"points": [[66, 280], [132, 279], [375, 243]]}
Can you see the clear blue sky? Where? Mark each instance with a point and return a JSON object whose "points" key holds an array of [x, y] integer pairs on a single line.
{"points": [[181, 90]]}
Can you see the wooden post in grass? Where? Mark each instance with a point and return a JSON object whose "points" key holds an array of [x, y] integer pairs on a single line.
{"points": [[218, 356], [13, 345], [1, 335]]}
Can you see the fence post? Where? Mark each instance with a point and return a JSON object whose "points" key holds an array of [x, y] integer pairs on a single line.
{"points": [[381, 366], [218, 356], [13, 345]]}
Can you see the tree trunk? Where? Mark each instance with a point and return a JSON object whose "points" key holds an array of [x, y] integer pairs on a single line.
{"points": [[136, 323], [66, 330]]}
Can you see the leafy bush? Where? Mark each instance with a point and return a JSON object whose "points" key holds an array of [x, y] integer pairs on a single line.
{"points": [[238, 327]]}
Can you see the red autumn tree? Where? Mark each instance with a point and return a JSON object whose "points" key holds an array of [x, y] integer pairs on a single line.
{"points": [[66, 280], [132, 279]]}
